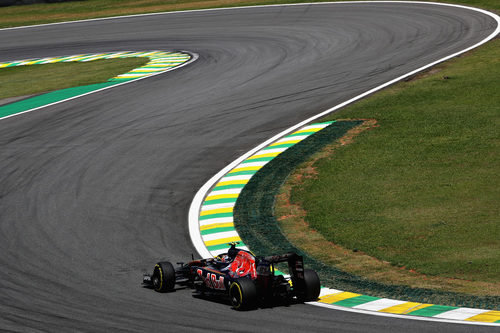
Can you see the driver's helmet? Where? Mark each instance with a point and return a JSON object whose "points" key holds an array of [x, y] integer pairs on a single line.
{"points": [[224, 258]]}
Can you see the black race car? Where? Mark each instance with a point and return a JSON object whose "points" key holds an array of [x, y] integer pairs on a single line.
{"points": [[247, 280]]}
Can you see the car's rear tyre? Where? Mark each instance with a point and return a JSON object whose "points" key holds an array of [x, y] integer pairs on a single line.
{"points": [[243, 294], [163, 278], [312, 286]]}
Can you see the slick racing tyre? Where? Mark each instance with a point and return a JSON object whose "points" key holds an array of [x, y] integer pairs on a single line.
{"points": [[163, 278], [243, 294], [312, 286]]}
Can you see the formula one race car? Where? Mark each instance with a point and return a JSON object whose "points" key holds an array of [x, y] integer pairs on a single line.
{"points": [[247, 280]]}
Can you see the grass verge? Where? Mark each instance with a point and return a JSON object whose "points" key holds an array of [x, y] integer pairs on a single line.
{"points": [[255, 220], [421, 191], [35, 79], [77, 10], [292, 220]]}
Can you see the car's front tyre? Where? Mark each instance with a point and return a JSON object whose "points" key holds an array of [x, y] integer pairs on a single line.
{"points": [[163, 278]]}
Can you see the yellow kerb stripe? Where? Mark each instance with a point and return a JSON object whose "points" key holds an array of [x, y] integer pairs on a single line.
{"points": [[145, 70], [264, 155], [285, 142], [418, 307], [233, 182], [125, 76], [402, 308], [222, 196], [223, 241], [149, 64], [329, 299], [30, 62], [216, 225], [95, 56], [75, 59], [251, 168], [216, 211], [313, 129], [487, 317]]}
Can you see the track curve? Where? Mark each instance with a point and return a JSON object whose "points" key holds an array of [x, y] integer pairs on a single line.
{"points": [[95, 190]]}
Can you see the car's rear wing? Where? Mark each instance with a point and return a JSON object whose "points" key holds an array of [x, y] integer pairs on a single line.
{"points": [[287, 257], [295, 265]]}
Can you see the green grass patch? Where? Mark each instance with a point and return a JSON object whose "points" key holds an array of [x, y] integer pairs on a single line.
{"points": [[35, 79], [422, 190], [77, 10]]}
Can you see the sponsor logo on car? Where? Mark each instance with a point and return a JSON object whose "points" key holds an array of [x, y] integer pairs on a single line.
{"points": [[212, 281]]}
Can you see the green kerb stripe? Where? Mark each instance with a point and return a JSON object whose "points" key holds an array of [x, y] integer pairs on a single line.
{"points": [[260, 159], [49, 98], [219, 201], [239, 173], [285, 145], [216, 230], [432, 310], [227, 187], [214, 216], [221, 246], [351, 302], [301, 134], [121, 79]]}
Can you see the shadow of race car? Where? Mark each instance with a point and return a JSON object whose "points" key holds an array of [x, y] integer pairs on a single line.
{"points": [[246, 280]]}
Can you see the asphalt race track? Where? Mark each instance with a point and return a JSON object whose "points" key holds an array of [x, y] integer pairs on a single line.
{"points": [[95, 190]]}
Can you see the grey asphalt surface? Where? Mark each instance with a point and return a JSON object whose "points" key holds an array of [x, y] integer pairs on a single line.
{"points": [[94, 191]]}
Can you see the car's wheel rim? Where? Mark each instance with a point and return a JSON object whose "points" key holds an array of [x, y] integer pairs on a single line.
{"points": [[235, 299], [156, 282]]}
